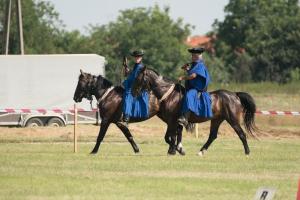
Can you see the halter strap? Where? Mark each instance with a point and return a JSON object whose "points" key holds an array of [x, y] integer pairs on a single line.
{"points": [[170, 90], [105, 94]]}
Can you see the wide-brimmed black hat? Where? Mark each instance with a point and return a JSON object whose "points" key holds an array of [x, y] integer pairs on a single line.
{"points": [[137, 53], [198, 50]]}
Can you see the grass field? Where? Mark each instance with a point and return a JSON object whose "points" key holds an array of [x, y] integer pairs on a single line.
{"points": [[51, 171], [39, 163]]}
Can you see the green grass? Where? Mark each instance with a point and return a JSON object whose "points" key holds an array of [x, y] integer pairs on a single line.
{"points": [[260, 88], [51, 171], [268, 96]]}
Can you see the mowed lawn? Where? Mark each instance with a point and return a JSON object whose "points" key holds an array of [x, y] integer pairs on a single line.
{"points": [[49, 170], [39, 163]]}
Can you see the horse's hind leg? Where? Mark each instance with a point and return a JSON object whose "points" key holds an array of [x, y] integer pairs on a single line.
{"points": [[103, 128], [214, 127], [239, 131], [129, 137]]}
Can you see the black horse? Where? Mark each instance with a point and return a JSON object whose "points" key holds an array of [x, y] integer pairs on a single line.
{"points": [[110, 108], [226, 105]]}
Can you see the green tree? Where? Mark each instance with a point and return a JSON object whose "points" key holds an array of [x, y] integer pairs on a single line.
{"points": [[216, 68], [150, 29], [41, 27], [268, 30]]}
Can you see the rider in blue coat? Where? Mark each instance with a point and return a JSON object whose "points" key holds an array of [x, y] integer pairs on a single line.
{"points": [[196, 100], [136, 107]]}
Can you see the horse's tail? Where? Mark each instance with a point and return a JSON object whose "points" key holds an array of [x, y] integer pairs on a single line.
{"points": [[190, 127], [249, 106]]}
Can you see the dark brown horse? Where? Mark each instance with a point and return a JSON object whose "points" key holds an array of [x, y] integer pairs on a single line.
{"points": [[110, 108], [226, 105]]}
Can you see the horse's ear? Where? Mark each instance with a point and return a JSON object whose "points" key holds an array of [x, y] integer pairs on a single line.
{"points": [[81, 72]]}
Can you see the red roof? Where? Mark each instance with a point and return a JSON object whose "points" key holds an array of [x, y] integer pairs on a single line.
{"points": [[198, 40], [203, 41]]}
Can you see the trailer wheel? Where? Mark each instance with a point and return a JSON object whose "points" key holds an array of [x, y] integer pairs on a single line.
{"points": [[34, 122], [55, 122]]}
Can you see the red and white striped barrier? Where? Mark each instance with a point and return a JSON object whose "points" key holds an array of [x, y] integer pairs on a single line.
{"points": [[263, 112], [42, 111]]}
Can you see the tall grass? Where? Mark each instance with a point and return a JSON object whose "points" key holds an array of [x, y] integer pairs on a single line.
{"points": [[267, 95], [260, 88]]}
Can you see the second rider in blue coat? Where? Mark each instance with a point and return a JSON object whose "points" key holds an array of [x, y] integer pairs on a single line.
{"points": [[196, 100]]}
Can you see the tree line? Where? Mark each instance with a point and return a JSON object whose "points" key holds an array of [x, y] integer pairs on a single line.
{"points": [[258, 40]]}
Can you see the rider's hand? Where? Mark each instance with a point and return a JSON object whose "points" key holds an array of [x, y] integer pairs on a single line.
{"points": [[185, 66], [181, 78]]}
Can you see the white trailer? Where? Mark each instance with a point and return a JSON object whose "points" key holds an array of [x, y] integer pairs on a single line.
{"points": [[37, 90]]}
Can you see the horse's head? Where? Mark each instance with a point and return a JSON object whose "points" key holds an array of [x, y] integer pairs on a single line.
{"points": [[85, 87], [141, 82]]}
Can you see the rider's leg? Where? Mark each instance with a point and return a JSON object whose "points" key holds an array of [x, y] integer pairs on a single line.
{"points": [[184, 118]]}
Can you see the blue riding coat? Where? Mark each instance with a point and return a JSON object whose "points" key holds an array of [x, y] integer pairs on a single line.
{"points": [[197, 99], [136, 107]]}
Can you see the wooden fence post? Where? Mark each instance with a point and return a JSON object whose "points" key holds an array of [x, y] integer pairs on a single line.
{"points": [[75, 128]]}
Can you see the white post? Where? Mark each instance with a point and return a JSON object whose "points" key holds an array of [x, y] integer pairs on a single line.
{"points": [[196, 130]]}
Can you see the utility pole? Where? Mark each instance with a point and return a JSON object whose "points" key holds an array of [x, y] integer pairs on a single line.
{"points": [[7, 26], [8, 22]]}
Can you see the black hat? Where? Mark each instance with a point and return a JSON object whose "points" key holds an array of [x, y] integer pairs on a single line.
{"points": [[198, 50], [137, 53]]}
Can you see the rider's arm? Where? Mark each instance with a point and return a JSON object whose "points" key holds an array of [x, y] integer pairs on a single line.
{"points": [[126, 71], [190, 77]]}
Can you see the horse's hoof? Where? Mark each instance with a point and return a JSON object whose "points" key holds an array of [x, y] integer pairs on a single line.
{"points": [[201, 153], [172, 152], [181, 151], [137, 151], [93, 153]]}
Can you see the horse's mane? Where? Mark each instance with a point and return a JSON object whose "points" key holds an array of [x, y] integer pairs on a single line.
{"points": [[100, 80], [168, 80], [105, 82]]}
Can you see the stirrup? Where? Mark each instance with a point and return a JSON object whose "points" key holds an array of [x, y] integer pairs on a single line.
{"points": [[182, 121]]}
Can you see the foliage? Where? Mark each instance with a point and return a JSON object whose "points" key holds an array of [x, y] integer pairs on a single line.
{"points": [[41, 27], [257, 41], [150, 29], [216, 69], [268, 30]]}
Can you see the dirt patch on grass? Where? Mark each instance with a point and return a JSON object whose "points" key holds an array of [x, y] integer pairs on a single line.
{"points": [[269, 126]]}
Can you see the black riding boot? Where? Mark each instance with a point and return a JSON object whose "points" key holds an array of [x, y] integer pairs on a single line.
{"points": [[184, 119], [125, 120]]}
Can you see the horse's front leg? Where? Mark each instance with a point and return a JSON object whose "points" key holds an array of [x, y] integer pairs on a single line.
{"points": [[103, 128], [170, 138], [179, 146], [214, 127], [129, 137]]}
